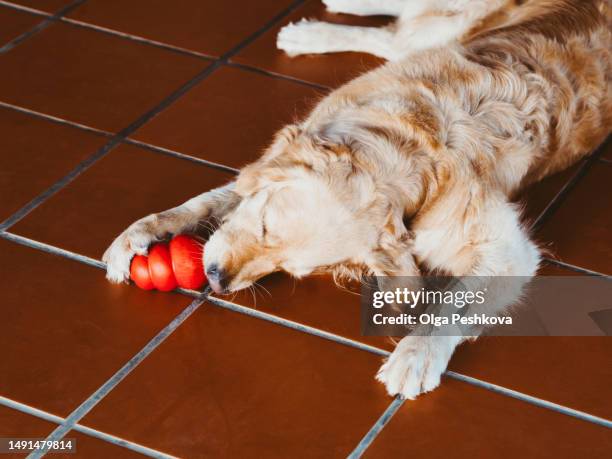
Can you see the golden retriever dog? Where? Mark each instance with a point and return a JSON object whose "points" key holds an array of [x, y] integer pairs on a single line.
{"points": [[411, 166]]}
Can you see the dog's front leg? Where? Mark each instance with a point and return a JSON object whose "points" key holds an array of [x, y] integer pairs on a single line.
{"points": [[502, 259], [139, 235]]}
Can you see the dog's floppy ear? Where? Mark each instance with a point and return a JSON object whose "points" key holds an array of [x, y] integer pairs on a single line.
{"points": [[282, 139], [267, 169], [253, 176]]}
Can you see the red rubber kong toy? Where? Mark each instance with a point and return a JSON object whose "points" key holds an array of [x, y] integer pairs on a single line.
{"points": [[165, 268], [186, 254], [139, 272], [160, 268]]}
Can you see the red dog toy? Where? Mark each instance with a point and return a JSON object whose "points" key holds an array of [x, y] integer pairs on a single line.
{"points": [[178, 264]]}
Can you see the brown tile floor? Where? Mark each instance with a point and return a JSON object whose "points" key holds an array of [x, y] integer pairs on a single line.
{"points": [[90, 77], [13, 23], [468, 422], [40, 150], [226, 383], [584, 216]]}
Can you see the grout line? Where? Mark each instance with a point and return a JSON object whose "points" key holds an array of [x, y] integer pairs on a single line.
{"points": [[27, 409], [378, 426], [558, 199], [42, 25], [137, 38], [183, 156], [530, 399], [150, 147], [606, 161], [121, 442], [27, 9], [203, 296], [23, 408], [85, 407], [55, 119], [295, 325], [147, 116], [42, 197], [52, 249], [269, 25], [575, 268], [554, 204], [280, 76]]}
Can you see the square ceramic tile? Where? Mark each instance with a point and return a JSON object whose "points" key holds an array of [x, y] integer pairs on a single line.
{"points": [[228, 385], [13, 23], [91, 77], [36, 154], [66, 330], [315, 301], [230, 117], [209, 27], [128, 184], [329, 69], [579, 232], [465, 421]]}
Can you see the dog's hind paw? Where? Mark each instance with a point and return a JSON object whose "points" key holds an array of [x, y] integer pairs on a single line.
{"points": [[415, 366], [304, 37]]}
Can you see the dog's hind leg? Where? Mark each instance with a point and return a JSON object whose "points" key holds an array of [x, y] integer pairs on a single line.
{"points": [[420, 26], [367, 7], [142, 233], [314, 37]]}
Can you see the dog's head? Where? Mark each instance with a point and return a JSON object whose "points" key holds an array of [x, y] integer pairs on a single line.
{"points": [[307, 205]]}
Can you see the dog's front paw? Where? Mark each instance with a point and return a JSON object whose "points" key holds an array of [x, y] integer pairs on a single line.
{"points": [[415, 366], [304, 37], [133, 241]]}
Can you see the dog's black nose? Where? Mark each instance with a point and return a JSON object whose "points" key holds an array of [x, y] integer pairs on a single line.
{"points": [[217, 277]]}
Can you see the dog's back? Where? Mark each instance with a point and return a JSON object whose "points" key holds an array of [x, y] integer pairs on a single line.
{"points": [[564, 46]]}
